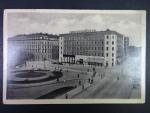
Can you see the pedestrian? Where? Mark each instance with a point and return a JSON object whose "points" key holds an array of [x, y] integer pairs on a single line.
{"points": [[94, 69], [92, 81], [82, 87], [78, 75], [79, 82], [66, 96], [89, 80]]}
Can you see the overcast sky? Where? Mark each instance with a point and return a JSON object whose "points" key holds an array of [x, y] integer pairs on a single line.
{"points": [[26, 23]]}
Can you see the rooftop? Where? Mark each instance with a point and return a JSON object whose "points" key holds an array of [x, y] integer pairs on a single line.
{"points": [[34, 36], [92, 31]]}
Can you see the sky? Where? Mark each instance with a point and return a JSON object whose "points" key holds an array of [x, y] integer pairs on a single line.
{"points": [[58, 23]]}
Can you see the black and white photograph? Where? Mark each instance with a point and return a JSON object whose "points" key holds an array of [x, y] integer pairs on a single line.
{"points": [[55, 56]]}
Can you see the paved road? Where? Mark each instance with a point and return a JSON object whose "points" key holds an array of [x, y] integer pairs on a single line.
{"points": [[113, 89], [110, 87]]}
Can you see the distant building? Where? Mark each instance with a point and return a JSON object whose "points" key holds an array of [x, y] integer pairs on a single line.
{"points": [[101, 48], [134, 51], [38, 46], [126, 45]]}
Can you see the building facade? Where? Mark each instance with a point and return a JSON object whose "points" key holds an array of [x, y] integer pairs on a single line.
{"points": [[38, 46], [126, 45], [101, 48]]}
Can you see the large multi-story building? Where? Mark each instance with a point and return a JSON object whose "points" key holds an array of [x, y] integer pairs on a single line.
{"points": [[101, 48], [38, 46]]}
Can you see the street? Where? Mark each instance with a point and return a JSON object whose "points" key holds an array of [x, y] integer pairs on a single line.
{"points": [[116, 85], [119, 82]]}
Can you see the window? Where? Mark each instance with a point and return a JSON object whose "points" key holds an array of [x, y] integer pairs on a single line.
{"points": [[112, 64], [107, 48], [112, 48], [107, 42], [107, 36], [112, 54], [112, 37], [102, 48], [107, 54], [112, 42], [95, 48], [112, 60]]}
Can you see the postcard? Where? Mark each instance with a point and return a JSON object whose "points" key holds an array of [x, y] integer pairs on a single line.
{"points": [[55, 56]]}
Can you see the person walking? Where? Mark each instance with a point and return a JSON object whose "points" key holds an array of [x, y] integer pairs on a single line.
{"points": [[66, 96]]}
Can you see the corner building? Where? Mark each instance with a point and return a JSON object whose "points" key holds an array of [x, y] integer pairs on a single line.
{"points": [[91, 47]]}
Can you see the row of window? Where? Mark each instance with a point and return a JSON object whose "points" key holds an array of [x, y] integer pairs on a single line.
{"points": [[82, 43], [85, 53], [43, 56], [111, 64], [36, 42], [38, 47], [107, 48], [84, 38], [84, 48], [107, 42], [32, 46], [107, 54], [110, 36], [39, 50]]}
